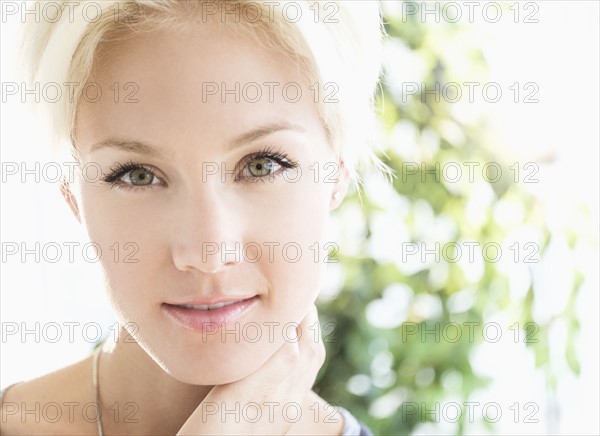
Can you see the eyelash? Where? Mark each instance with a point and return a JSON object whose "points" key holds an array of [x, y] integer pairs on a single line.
{"points": [[121, 169]]}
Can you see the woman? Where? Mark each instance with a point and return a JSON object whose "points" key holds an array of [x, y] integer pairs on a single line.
{"points": [[223, 135]]}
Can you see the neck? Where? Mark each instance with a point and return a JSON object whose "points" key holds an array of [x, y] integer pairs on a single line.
{"points": [[138, 396]]}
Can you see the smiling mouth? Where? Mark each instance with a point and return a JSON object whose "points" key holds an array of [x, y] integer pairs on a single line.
{"points": [[211, 303], [198, 317], [208, 306]]}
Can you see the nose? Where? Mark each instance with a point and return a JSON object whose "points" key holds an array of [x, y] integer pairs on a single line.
{"points": [[205, 232]]}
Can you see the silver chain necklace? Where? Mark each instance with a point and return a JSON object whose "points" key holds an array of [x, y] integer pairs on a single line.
{"points": [[96, 393]]}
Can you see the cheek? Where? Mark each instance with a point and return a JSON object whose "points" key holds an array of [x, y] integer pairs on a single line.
{"points": [[125, 227], [298, 267], [126, 248]]}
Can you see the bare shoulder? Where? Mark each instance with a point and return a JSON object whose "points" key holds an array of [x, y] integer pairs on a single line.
{"points": [[54, 403]]}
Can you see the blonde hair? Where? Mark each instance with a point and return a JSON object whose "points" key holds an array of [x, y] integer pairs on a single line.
{"points": [[337, 42]]}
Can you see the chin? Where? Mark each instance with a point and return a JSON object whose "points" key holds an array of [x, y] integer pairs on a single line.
{"points": [[213, 367]]}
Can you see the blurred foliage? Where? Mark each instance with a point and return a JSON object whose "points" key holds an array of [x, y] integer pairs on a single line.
{"points": [[373, 370]]}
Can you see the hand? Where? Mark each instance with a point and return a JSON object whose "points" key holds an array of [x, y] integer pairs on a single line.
{"points": [[286, 378]]}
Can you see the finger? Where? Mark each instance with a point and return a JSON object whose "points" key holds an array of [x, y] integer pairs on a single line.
{"points": [[311, 346]]}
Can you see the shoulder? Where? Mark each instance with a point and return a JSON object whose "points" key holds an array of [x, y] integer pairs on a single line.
{"points": [[49, 404], [352, 426]]}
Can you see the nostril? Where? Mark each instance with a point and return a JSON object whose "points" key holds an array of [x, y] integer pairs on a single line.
{"points": [[208, 257]]}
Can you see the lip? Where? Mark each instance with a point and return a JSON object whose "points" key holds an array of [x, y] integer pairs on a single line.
{"points": [[200, 320], [211, 301]]}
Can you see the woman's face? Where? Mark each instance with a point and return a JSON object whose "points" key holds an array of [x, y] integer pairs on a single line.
{"points": [[173, 237]]}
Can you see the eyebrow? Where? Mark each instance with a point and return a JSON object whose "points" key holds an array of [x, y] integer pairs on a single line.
{"points": [[127, 145], [263, 131], [238, 141]]}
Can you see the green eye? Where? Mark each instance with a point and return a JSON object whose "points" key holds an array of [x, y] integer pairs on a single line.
{"points": [[132, 175], [141, 177], [260, 167], [266, 164]]}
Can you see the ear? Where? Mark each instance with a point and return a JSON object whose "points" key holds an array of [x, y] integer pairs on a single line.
{"points": [[340, 189], [65, 190]]}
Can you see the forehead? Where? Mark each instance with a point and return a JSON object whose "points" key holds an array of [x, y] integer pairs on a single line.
{"points": [[201, 83]]}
